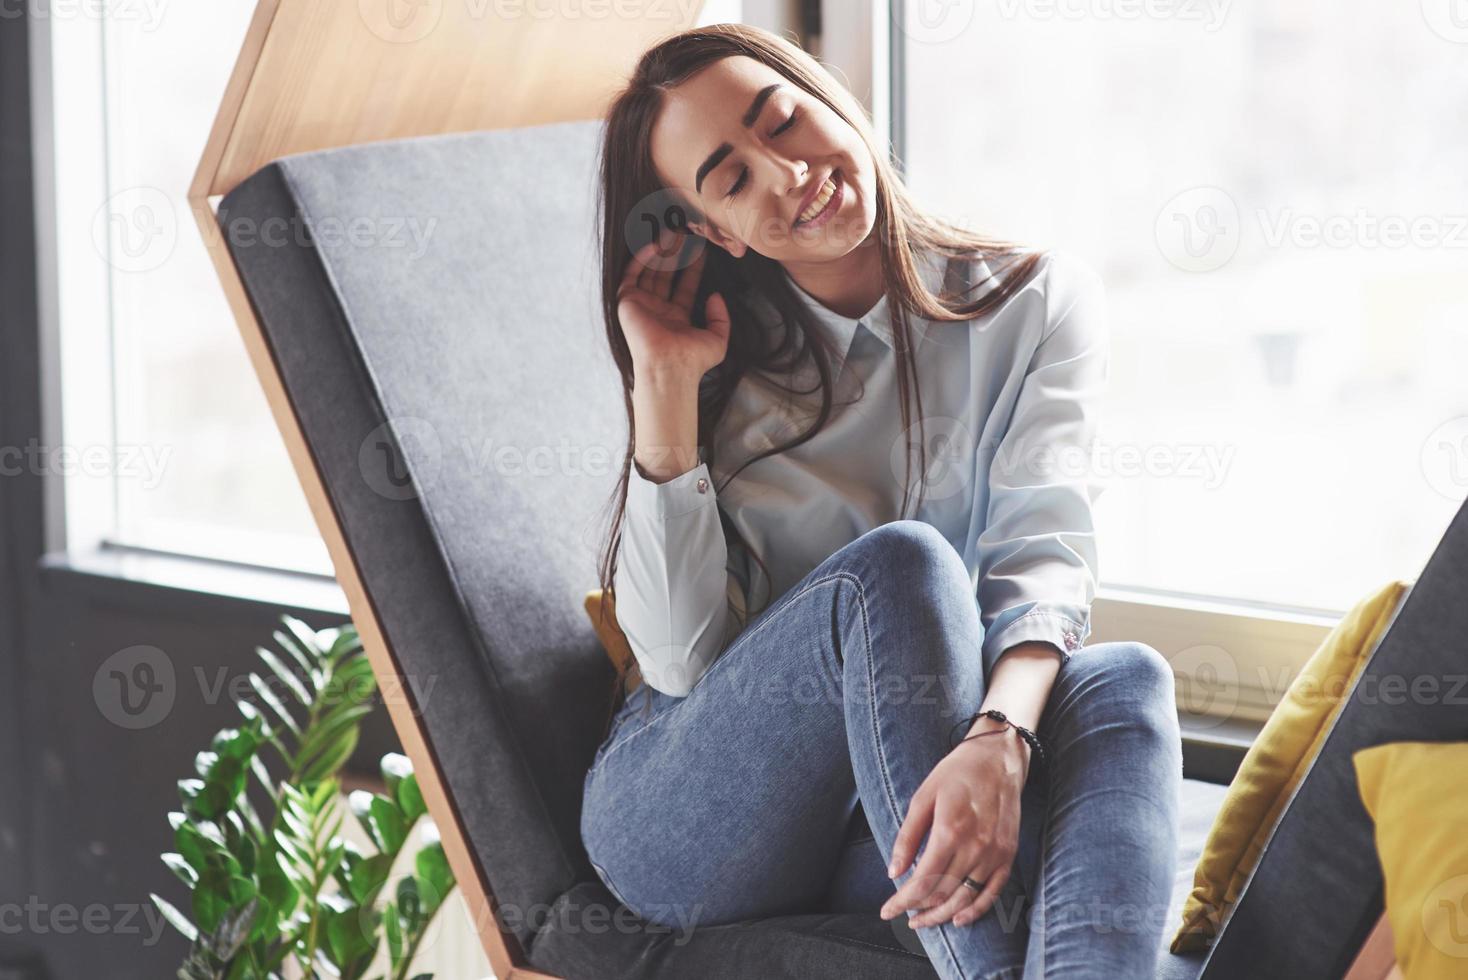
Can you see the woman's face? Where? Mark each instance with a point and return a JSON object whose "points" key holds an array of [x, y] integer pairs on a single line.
{"points": [[726, 144]]}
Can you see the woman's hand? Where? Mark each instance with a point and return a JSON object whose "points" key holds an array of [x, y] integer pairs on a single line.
{"points": [[657, 318], [971, 802]]}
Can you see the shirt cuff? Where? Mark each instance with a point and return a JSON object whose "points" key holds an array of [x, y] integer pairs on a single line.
{"points": [[1061, 629], [681, 495]]}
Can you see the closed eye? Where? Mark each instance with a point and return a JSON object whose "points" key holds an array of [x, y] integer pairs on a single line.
{"points": [[744, 172]]}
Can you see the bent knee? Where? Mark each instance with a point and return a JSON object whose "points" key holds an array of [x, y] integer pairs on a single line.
{"points": [[1144, 667], [1142, 674], [904, 547]]}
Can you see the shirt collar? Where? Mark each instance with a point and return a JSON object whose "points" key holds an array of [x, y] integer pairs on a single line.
{"points": [[841, 330]]}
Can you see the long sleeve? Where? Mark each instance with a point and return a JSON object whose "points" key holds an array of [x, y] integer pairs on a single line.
{"points": [[676, 598], [1038, 566]]}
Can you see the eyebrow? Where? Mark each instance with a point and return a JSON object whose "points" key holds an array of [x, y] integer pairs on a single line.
{"points": [[751, 116]]}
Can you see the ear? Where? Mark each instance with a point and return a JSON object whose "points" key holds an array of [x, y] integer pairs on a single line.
{"points": [[716, 236]]}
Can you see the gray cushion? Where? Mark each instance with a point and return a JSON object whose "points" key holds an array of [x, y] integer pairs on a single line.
{"points": [[430, 302]]}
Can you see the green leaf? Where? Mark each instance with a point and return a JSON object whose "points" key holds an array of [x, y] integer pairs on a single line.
{"points": [[192, 846], [257, 765], [278, 893], [286, 675], [292, 848], [328, 731], [346, 928], [217, 893], [410, 903], [274, 703], [345, 642], [352, 681], [237, 744], [432, 866], [176, 918], [251, 816], [204, 761], [283, 861], [366, 876], [392, 925], [410, 799], [324, 793], [332, 757], [391, 830], [185, 871], [395, 767], [309, 662]]}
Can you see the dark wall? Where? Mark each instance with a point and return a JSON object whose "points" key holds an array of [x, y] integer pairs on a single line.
{"points": [[20, 493]]}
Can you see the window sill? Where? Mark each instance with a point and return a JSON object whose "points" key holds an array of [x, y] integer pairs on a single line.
{"points": [[1214, 747], [170, 582]]}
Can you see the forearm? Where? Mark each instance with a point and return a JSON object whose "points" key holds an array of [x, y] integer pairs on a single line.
{"points": [[1020, 683], [665, 417]]}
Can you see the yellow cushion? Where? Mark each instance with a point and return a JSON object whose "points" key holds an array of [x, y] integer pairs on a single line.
{"points": [[1417, 792], [613, 640], [1275, 764]]}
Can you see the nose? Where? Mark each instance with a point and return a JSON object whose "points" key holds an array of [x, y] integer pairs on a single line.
{"points": [[796, 176], [787, 174]]}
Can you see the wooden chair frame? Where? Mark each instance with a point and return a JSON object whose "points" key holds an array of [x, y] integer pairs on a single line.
{"points": [[317, 74]]}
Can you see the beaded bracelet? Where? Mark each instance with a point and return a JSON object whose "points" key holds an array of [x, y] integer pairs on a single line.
{"points": [[1035, 742]]}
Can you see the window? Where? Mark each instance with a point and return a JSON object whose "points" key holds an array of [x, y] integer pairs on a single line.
{"points": [[152, 362], [154, 371], [1273, 194]]}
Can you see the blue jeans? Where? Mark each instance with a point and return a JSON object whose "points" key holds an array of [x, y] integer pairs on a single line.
{"points": [[734, 802]]}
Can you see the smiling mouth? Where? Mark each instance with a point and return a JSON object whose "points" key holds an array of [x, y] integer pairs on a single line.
{"points": [[829, 193]]}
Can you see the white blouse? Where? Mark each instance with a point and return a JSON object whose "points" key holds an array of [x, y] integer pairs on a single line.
{"points": [[1009, 405]]}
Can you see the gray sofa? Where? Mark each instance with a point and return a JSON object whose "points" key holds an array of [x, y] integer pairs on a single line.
{"points": [[430, 304]]}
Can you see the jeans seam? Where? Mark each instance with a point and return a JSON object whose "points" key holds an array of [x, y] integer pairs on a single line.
{"points": [[877, 739], [606, 879]]}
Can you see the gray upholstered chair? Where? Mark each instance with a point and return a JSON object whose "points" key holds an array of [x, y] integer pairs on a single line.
{"points": [[434, 299]]}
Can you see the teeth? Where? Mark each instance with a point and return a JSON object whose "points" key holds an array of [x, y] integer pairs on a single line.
{"points": [[827, 189]]}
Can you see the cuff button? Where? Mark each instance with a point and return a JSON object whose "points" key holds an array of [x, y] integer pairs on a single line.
{"points": [[1071, 640], [703, 485]]}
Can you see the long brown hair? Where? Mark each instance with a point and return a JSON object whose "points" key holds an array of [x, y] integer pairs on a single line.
{"points": [[629, 180]]}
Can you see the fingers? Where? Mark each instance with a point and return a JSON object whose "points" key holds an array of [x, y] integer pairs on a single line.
{"points": [[910, 834], [687, 286], [632, 275], [937, 855], [716, 315], [944, 884], [664, 264], [985, 900], [962, 898]]}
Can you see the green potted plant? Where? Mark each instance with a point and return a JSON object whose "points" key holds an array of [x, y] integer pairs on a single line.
{"points": [[276, 887]]}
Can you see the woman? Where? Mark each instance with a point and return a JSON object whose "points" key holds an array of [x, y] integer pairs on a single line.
{"points": [[776, 343]]}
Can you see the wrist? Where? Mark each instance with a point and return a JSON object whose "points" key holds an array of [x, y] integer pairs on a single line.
{"points": [[991, 724], [665, 379], [998, 735]]}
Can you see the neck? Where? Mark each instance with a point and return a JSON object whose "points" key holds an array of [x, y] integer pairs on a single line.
{"points": [[849, 286]]}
